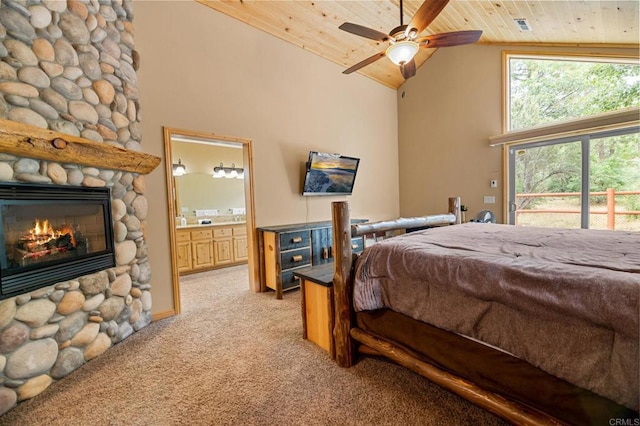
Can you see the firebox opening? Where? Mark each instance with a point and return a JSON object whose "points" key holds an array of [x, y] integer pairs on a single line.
{"points": [[52, 233]]}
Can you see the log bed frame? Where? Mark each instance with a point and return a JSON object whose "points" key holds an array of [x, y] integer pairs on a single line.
{"points": [[346, 334]]}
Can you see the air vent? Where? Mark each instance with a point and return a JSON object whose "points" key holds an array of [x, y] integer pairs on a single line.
{"points": [[522, 24]]}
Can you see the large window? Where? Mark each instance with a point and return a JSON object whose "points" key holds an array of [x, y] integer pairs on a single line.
{"points": [[547, 89], [590, 179]]}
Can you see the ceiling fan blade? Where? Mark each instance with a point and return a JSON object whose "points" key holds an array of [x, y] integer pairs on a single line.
{"points": [[364, 63], [408, 70], [429, 10], [364, 31], [455, 38]]}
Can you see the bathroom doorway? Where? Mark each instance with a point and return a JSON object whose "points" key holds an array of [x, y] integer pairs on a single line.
{"points": [[209, 181]]}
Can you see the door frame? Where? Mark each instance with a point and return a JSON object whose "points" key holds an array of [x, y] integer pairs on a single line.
{"points": [[247, 158]]}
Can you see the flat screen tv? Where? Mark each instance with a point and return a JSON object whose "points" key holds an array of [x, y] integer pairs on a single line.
{"points": [[329, 174]]}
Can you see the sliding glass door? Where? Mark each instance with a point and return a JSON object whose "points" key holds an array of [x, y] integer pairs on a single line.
{"points": [[614, 182], [587, 181]]}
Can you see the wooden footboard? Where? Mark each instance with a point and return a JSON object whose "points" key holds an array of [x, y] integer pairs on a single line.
{"points": [[343, 231], [345, 334], [508, 410]]}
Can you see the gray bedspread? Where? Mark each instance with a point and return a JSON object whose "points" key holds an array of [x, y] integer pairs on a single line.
{"points": [[565, 300]]}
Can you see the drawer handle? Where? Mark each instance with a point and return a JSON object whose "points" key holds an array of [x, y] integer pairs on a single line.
{"points": [[296, 240], [297, 258]]}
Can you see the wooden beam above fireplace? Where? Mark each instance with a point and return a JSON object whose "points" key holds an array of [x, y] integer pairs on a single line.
{"points": [[29, 141]]}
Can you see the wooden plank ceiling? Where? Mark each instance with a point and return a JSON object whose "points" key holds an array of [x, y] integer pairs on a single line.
{"points": [[313, 25]]}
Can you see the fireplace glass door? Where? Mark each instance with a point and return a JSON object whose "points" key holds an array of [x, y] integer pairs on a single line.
{"points": [[52, 233]]}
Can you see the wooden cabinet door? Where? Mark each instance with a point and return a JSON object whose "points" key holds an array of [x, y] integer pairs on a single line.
{"points": [[202, 252], [184, 256], [240, 250], [321, 242], [222, 251]]}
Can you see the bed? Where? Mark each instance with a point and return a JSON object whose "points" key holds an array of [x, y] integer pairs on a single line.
{"points": [[539, 326]]}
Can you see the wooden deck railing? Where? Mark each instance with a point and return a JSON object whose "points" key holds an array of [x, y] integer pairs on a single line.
{"points": [[609, 210]]}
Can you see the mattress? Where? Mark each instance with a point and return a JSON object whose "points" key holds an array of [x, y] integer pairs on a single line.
{"points": [[564, 300]]}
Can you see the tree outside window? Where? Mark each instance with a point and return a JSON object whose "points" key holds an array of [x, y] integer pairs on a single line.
{"points": [[546, 90]]}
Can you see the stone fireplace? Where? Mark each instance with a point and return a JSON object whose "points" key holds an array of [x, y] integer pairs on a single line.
{"points": [[69, 121], [47, 333], [51, 233]]}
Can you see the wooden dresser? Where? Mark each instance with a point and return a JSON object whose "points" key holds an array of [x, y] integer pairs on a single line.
{"points": [[287, 248], [203, 247]]}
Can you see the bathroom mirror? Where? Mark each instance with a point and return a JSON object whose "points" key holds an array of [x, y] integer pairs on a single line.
{"points": [[197, 190]]}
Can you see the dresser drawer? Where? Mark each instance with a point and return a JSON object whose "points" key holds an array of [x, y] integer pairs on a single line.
{"points": [[295, 258], [222, 233], [293, 240], [357, 244], [202, 234], [289, 280]]}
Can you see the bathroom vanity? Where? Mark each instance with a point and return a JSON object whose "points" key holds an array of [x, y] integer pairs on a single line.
{"points": [[204, 247]]}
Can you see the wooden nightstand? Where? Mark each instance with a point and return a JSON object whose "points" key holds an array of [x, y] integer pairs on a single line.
{"points": [[316, 285]]}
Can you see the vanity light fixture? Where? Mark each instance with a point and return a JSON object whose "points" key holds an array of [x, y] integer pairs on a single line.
{"points": [[228, 172], [218, 172], [179, 169]]}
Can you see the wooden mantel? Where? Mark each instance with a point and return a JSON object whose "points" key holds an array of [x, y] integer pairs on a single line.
{"points": [[25, 140]]}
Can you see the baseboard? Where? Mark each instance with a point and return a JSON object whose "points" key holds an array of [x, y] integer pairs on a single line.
{"points": [[162, 315]]}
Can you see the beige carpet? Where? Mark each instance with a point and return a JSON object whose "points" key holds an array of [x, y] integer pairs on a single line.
{"points": [[237, 358]]}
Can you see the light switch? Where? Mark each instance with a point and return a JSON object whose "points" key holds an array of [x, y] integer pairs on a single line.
{"points": [[489, 199]]}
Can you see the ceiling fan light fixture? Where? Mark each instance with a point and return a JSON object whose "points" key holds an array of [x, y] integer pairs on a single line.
{"points": [[402, 51]]}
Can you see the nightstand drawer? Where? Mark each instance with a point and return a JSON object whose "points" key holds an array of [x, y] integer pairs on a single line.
{"points": [[293, 240], [295, 258], [201, 235]]}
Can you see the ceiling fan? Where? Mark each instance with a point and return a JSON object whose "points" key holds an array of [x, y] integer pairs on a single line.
{"points": [[404, 42]]}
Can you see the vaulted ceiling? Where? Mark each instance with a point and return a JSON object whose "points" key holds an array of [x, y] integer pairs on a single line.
{"points": [[313, 25]]}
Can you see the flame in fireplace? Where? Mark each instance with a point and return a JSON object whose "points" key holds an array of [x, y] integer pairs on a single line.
{"points": [[44, 229], [43, 233]]}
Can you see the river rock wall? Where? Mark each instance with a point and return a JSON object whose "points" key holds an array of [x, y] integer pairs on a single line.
{"points": [[70, 66]]}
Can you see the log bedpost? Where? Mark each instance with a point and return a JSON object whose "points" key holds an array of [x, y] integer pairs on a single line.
{"points": [[342, 283], [456, 209]]}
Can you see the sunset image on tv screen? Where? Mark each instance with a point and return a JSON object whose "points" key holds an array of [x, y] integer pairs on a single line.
{"points": [[331, 174]]}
